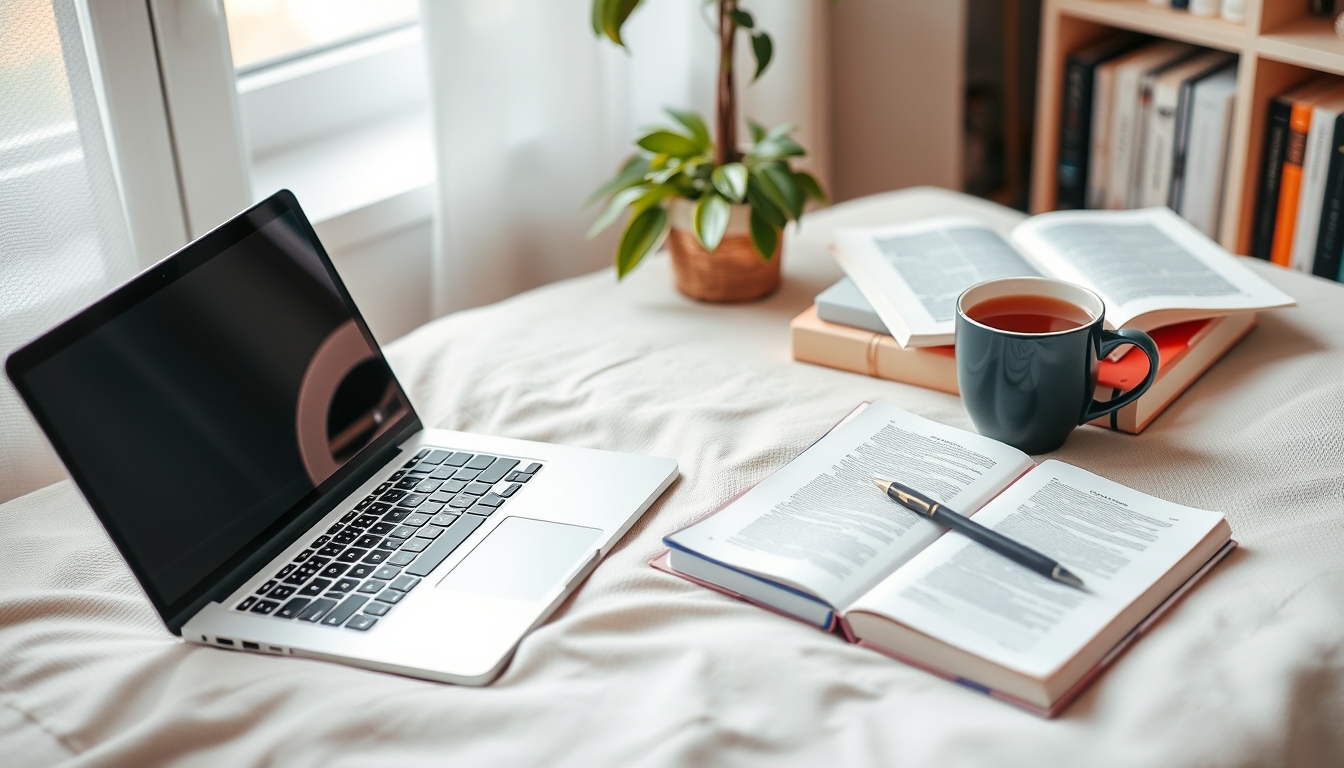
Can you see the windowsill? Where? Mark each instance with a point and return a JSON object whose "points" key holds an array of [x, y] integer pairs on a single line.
{"points": [[358, 184]]}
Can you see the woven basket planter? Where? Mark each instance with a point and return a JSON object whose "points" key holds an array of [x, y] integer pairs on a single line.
{"points": [[733, 272]]}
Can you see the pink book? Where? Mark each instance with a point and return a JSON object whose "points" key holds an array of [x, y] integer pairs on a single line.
{"points": [[810, 543]]}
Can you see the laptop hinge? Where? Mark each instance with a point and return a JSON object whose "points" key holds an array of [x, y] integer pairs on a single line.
{"points": [[300, 525]]}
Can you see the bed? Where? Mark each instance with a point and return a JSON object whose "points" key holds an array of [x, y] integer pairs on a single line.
{"points": [[642, 669]]}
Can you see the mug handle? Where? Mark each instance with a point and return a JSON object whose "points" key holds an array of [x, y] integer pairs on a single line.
{"points": [[1109, 341]]}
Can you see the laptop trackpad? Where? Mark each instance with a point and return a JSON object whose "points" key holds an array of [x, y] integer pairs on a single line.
{"points": [[523, 559]]}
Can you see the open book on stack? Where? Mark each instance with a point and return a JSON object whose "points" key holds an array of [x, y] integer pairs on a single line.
{"points": [[818, 542]]}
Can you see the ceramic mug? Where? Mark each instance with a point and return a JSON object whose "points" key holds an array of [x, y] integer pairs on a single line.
{"points": [[1030, 389]]}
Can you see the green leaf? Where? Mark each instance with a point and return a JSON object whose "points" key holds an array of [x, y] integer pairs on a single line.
{"points": [[811, 187], [742, 18], [731, 181], [669, 143], [763, 48], [778, 183], [776, 148], [631, 173], [597, 14], [620, 202], [761, 202], [781, 131], [613, 16], [711, 220], [644, 233], [757, 130], [764, 236], [695, 125]]}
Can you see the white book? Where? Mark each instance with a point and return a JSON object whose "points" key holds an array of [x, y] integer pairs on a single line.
{"points": [[1154, 180], [1126, 113], [1209, 142], [817, 540], [1150, 267], [1315, 165], [1099, 154]]}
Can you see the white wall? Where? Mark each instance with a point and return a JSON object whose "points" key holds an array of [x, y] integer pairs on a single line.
{"points": [[388, 277]]}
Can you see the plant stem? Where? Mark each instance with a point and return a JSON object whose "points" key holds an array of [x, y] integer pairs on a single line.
{"points": [[725, 119]]}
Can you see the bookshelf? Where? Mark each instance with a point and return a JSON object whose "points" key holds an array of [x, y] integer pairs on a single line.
{"points": [[1279, 46]]}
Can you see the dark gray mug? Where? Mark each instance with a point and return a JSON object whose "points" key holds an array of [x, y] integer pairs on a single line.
{"points": [[1031, 389]]}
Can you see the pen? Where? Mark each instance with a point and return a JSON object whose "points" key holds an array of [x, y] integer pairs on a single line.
{"points": [[1022, 555]]}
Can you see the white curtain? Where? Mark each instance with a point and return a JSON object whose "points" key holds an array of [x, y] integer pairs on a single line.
{"points": [[533, 112], [63, 237]]}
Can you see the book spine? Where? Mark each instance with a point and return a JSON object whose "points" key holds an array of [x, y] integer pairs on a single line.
{"points": [[1315, 164], [1103, 85], [1271, 178], [1328, 238], [1075, 139], [1159, 148], [1299, 124]]}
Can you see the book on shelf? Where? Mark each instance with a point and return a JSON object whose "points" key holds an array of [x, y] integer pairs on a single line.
{"points": [[1197, 195], [1330, 235], [1161, 150], [843, 332], [1290, 183], [1315, 166], [1076, 116], [817, 541], [1271, 166], [1134, 75], [1150, 267]]}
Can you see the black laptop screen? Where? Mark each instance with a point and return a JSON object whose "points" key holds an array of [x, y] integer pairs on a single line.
{"points": [[201, 413]]}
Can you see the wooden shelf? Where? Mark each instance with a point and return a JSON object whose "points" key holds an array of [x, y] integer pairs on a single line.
{"points": [[1307, 43], [1142, 16], [1279, 46]]}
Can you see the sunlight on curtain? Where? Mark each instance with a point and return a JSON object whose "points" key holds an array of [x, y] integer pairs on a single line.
{"points": [[63, 239], [532, 113]]}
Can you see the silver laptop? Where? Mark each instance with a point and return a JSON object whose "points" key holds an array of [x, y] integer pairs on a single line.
{"points": [[234, 425]]}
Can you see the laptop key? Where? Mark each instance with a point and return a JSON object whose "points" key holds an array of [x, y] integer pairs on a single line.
{"points": [[442, 497], [344, 611], [316, 609], [531, 468], [378, 509], [496, 471], [481, 461], [377, 609], [372, 587], [381, 529], [390, 596], [396, 515], [315, 587], [387, 572], [477, 488], [351, 555], [382, 488], [361, 622], [331, 550], [360, 571], [443, 546], [404, 583], [512, 489], [457, 459], [320, 542], [523, 477], [401, 559], [423, 453], [344, 585], [407, 483], [412, 500], [402, 532], [445, 518], [265, 607], [291, 609], [466, 474], [389, 545], [429, 532], [462, 502], [415, 545], [264, 588], [246, 604], [430, 508], [283, 572], [280, 593], [416, 520], [490, 500], [304, 555], [392, 496], [442, 473], [348, 516], [335, 570], [368, 541], [436, 457], [365, 520], [428, 486], [376, 556], [366, 501], [346, 536]]}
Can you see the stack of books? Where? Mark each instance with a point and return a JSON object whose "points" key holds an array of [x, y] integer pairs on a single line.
{"points": [[893, 316], [1297, 220], [1147, 122]]}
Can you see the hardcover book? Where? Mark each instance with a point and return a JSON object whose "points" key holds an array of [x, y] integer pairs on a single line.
{"points": [[818, 542]]}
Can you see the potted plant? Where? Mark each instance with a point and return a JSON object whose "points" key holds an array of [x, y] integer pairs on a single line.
{"points": [[720, 206]]}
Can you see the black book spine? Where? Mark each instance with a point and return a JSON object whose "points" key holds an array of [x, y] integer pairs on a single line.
{"points": [[1330, 238], [1271, 178], [1075, 135]]}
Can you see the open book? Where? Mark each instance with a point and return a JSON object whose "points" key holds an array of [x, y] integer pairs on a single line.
{"points": [[1150, 267], [818, 541]]}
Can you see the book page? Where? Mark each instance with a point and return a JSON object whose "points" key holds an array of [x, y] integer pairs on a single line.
{"points": [[912, 274], [819, 525], [1144, 261], [1118, 540]]}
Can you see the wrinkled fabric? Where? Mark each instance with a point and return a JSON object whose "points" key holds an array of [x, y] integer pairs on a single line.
{"points": [[642, 669]]}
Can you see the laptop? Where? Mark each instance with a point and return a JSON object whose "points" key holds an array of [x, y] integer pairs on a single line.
{"points": [[235, 427]]}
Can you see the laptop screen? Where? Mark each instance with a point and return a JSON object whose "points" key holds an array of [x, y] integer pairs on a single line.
{"points": [[212, 397]]}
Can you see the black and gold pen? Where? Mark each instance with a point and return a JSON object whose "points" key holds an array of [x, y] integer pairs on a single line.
{"points": [[1022, 555]]}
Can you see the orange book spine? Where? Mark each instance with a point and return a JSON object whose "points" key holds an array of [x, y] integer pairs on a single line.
{"points": [[1291, 185]]}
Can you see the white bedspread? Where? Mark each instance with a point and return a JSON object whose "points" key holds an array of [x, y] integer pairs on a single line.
{"points": [[641, 669]]}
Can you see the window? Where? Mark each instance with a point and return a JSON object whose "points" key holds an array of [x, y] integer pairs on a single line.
{"points": [[263, 32]]}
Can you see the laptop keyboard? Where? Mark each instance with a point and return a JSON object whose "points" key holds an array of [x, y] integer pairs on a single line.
{"points": [[363, 565]]}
